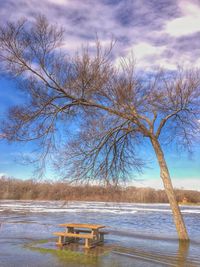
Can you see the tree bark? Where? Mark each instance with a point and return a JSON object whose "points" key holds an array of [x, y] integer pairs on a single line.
{"points": [[164, 173]]}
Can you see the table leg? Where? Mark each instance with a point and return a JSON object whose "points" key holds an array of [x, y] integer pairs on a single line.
{"points": [[87, 243], [60, 240], [97, 237], [101, 237]]}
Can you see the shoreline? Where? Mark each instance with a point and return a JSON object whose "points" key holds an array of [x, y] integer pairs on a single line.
{"points": [[100, 201], [16, 189]]}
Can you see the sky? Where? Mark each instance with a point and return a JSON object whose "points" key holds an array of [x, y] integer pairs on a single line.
{"points": [[163, 33]]}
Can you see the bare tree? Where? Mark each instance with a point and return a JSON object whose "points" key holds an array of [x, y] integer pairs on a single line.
{"points": [[116, 109]]}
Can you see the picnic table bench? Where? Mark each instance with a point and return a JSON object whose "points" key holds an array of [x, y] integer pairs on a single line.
{"points": [[74, 232]]}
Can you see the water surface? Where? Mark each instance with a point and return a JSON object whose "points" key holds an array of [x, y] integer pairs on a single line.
{"points": [[142, 234]]}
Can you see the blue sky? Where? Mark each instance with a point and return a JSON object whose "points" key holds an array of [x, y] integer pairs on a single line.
{"points": [[159, 33]]}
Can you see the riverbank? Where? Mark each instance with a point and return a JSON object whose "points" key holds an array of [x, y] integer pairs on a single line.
{"points": [[35, 190]]}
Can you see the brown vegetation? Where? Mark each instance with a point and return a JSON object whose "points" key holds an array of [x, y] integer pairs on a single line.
{"points": [[30, 189]]}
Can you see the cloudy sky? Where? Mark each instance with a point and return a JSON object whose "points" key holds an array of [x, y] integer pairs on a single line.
{"points": [[158, 32]]}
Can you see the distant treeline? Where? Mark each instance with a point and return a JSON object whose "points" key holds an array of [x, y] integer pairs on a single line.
{"points": [[34, 190]]}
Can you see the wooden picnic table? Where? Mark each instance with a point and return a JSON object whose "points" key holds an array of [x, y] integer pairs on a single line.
{"points": [[75, 231]]}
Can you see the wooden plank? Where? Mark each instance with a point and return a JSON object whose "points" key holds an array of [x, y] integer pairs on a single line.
{"points": [[77, 231], [82, 225], [90, 236]]}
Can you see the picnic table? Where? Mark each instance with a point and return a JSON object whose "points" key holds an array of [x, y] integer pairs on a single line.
{"points": [[76, 231]]}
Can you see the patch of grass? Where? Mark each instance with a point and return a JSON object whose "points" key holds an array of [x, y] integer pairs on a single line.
{"points": [[66, 255], [37, 242], [69, 256], [42, 241]]}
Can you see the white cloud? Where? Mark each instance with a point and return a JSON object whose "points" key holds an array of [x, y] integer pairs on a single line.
{"points": [[188, 184], [147, 56], [127, 22], [187, 24], [75, 45], [177, 59], [2, 174], [2, 136], [142, 50], [59, 2]]}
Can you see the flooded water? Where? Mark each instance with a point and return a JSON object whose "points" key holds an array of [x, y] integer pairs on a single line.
{"points": [[141, 234]]}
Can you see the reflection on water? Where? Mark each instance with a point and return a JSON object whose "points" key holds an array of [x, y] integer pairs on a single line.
{"points": [[183, 251], [139, 234], [132, 255]]}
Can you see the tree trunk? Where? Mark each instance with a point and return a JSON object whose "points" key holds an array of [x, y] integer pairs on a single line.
{"points": [[164, 173]]}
